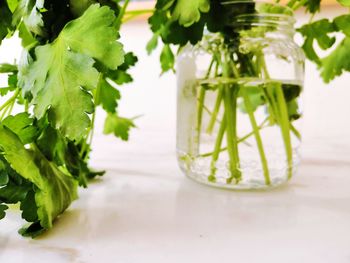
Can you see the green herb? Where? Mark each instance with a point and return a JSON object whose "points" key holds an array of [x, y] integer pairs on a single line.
{"points": [[178, 24], [72, 64]]}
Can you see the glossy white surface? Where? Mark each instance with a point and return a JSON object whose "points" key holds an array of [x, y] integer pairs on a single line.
{"points": [[145, 210]]}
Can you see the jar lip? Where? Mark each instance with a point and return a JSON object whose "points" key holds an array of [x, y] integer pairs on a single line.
{"points": [[286, 18]]}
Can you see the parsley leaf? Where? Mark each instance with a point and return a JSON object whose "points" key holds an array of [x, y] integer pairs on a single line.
{"points": [[344, 2], [317, 31], [54, 188], [338, 61], [3, 208], [63, 72], [5, 20], [22, 125], [167, 59], [189, 12], [29, 11], [109, 96], [118, 126]]}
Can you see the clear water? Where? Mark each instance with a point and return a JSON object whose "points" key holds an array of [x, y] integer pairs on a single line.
{"points": [[194, 146]]}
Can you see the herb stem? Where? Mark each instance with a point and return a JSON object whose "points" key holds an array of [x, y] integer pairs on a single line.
{"points": [[121, 14], [217, 149], [257, 135]]}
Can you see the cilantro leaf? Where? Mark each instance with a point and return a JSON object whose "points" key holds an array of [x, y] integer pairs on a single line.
{"points": [[54, 188], [342, 23], [118, 126], [109, 96], [63, 72], [317, 31], [3, 208], [344, 2], [167, 59], [189, 12], [5, 20], [29, 11], [22, 125], [29, 207], [313, 6], [338, 61]]}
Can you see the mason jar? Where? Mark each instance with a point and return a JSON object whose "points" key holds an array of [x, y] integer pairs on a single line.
{"points": [[238, 101]]}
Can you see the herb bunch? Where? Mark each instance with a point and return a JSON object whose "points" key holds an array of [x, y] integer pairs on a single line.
{"points": [[178, 23], [71, 64]]}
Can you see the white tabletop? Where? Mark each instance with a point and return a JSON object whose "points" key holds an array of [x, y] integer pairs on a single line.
{"points": [[145, 210]]}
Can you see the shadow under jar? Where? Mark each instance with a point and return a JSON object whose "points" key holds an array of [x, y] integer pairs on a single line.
{"points": [[238, 117]]}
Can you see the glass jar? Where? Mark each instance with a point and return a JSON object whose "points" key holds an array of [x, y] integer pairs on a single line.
{"points": [[238, 117]]}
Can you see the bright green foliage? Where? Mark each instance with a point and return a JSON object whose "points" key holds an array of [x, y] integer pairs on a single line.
{"points": [[5, 20], [54, 188], [189, 12], [69, 67], [3, 208], [337, 62], [118, 126], [167, 59], [63, 72], [313, 6], [22, 125], [344, 2], [29, 11], [317, 31], [109, 96]]}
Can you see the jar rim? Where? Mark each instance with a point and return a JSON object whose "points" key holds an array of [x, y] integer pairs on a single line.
{"points": [[268, 17]]}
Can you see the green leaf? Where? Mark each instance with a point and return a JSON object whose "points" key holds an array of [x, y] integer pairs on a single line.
{"points": [[167, 59], [164, 4], [63, 72], [54, 189], [342, 23], [4, 178], [5, 21], [78, 7], [8, 68], [3, 208], [109, 96], [32, 230], [29, 11], [313, 6], [152, 44], [317, 31], [344, 2], [12, 4], [29, 208], [337, 62], [22, 125], [189, 12], [27, 38], [118, 126]]}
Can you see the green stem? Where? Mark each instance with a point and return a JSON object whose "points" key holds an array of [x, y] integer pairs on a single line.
{"points": [[200, 105], [217, 150], [215, 112], [8, 105], [295, 131], [139, 11], [121, 14], [285, 127], [240, 140], [90, 136], [200, 108], [257, 135], [230, 102]]}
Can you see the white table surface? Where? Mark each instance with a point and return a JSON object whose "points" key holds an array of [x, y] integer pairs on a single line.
{"points": [[145, 210]]}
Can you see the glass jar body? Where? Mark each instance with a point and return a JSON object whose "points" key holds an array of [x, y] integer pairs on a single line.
{"points": [[239, 115]]}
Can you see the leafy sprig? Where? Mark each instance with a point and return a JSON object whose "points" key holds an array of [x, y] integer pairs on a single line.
{"points": [[72, 63]]}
